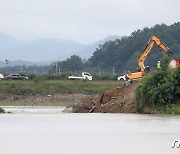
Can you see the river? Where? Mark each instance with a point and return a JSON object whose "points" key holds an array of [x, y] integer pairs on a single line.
{"points": [[70, 133]]}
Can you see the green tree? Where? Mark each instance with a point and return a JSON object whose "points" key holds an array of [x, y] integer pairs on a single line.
{"points": [[124, 53], [74, 63]]}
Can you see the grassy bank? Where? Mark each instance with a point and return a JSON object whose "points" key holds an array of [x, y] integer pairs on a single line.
{"points": [[168, 109], [50, 92], [56, 86], [1, 110]]}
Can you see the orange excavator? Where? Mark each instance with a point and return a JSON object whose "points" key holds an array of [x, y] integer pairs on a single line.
{"points": [[143, 70]]}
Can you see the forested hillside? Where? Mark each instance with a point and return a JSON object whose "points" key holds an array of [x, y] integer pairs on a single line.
{"points": [[123, 54]]}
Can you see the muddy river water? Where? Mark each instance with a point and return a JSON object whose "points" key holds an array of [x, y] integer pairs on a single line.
{"points": [[68, 133]]}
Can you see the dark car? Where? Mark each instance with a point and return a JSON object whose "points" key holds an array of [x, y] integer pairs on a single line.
{"points": [[15, 77]]}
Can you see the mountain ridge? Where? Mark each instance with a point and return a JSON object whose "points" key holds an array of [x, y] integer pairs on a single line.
{"points": [[45, 49]]}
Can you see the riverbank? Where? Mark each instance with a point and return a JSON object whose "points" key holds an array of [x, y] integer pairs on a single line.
{"points": [[2, 110], [50, 92], [82, 96], [121, 100], [33, 109], [41, 100]]}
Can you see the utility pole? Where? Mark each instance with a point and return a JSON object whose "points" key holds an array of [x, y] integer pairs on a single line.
{"points": [[21, 68], [35, 71], [59, 70], [113, 70], [56, 68]]}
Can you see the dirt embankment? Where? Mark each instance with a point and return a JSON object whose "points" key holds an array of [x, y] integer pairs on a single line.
{"points": [[42, 100], [118, 100]]}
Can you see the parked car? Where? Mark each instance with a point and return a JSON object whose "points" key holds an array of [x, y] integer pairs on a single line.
{"points": [[121, 78], [1, 76], [15, 77]]}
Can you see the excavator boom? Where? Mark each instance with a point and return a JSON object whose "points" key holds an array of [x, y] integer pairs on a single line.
{"points": [[142, 70], [152, 41]]}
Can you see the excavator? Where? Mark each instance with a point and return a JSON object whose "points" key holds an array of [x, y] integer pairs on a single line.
{"points": [[143, 70]]}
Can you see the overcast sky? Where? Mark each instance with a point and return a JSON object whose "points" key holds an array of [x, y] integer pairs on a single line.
{"points": [[84, 21]]}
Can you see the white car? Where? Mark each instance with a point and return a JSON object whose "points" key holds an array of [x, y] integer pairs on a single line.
{"points": [[1, 76], [121, 78]]}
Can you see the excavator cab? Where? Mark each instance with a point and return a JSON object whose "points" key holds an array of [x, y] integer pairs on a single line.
{"points": [[147, 69], [138, 69]]}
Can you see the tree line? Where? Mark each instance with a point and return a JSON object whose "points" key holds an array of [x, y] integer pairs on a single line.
{"points": [[123, 54]]}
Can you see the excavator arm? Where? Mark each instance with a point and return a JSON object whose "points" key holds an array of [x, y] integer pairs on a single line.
{"points": [[152, 41], [143, 69]]}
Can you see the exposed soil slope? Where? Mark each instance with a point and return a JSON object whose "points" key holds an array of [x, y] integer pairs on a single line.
{"points": [[118, 100]]}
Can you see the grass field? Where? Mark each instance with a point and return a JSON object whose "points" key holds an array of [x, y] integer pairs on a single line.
{"points": [[56, 86]]}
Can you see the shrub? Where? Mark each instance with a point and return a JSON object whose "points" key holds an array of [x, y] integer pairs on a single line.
{"points": [[1, 110], [160, 88], [38, 78]]}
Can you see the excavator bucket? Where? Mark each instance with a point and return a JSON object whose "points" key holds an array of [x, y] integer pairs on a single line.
{"points": [[172, 64]]}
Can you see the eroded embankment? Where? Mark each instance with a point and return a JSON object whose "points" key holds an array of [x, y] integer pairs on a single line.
{"points": [[118, 100], [40, 100]]}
